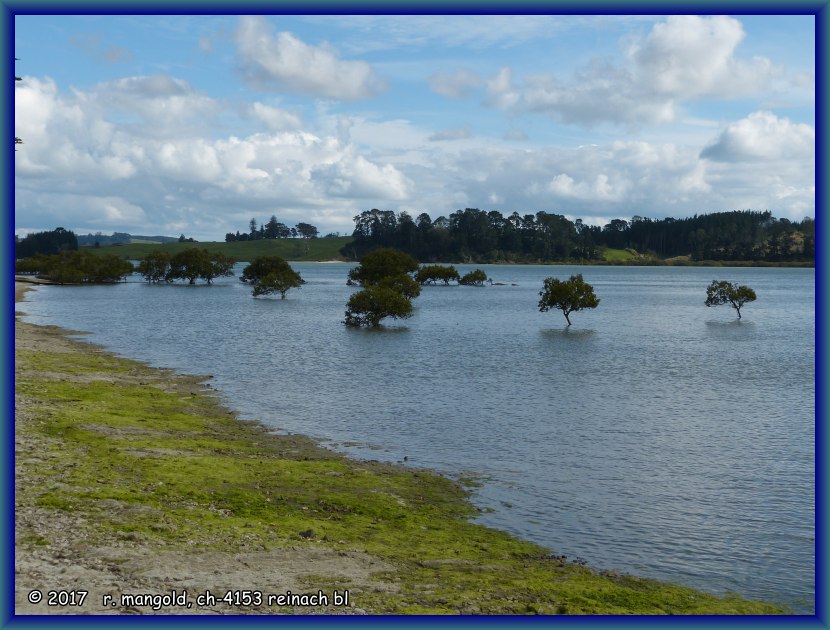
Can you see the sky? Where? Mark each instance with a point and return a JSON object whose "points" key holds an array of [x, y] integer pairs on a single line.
{"points": [[168, 125]]}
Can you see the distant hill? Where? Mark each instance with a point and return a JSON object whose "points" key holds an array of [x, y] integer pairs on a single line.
{"points": [[89, 240]]}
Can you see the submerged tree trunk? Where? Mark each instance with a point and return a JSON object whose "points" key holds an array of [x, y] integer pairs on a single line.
{"points": [[567, 318]]}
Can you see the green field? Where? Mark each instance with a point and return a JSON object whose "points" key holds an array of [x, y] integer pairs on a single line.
{"points": [[617, 255], [315, 249]]}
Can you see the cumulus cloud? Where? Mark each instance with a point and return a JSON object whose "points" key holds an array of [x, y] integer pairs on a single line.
{"points": [[355, 177], [762, 136], [285, 62], [691, 56], [160, 105], [685, 57], [101, 171]]}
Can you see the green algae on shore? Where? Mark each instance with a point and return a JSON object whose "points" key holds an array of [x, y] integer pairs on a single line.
{"points": [[141, 456]]}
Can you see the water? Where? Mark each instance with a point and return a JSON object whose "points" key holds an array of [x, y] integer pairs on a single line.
{"points": [[655, 436]]}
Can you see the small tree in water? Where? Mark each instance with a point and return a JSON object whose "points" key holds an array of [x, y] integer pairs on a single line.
{"points": [[368, 306], [271, 274], [568, 296], [722, 292]]}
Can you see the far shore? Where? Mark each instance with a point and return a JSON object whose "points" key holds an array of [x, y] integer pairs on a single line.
{"points": [[136, 480]]}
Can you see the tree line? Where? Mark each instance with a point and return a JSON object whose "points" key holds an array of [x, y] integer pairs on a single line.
{"points": [[475, 235], [75, 267], [47, 242], [272, 229]]}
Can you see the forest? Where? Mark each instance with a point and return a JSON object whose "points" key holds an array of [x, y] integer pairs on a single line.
{"points": [[473, 235]]}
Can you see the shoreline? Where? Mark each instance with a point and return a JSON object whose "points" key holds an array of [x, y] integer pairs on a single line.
{"points": [[132, 479]]}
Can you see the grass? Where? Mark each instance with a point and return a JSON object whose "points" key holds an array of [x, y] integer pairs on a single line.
{"points": [[617, 255], [185, 474], [316, 249]]}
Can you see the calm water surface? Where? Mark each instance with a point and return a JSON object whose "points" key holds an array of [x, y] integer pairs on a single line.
{"points": [[655, 436]]}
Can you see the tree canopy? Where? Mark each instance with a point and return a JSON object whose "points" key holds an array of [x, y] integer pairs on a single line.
{"points": [[76, 267], [723, 292], [188, 264], [272, 229], [388, 287], [369, 306], [490, 236], [573, 294], [474, 278], [155, 266], [382, 263], [48, 242], [432, 274], [271, 274]]}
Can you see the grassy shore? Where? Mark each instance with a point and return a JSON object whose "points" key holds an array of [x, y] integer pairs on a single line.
{"points": [[131, 479]]}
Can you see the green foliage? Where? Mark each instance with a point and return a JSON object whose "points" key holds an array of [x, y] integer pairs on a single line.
{"points": [[475, 235], [197, 262], [270, 274], [388, 287], [75, 267], [288, 248], [368, 306], [573, 294], [474, 278], [431, 274], [401, 283], [51, 242], [155, 266], [219, 265], [381, 263], [723, 292]]}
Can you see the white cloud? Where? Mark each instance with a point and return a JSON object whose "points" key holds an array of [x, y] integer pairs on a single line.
{"points": [[682, 58], [283, 61], [763, 136], [356, 178], [117, 175], [689, 56]]}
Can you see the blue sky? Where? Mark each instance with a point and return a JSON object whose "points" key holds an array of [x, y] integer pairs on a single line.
{"points": [[195, 124]]}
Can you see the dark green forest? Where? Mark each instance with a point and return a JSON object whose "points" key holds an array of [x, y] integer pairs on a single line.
{"points": [[47, 242], [473, 235]]}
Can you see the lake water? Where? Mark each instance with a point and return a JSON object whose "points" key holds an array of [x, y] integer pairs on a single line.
{"points": [[655, 436]]}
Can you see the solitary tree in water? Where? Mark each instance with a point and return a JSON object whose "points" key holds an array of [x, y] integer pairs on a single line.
{"points": [[271, 274], [568, 295], [388, 288], [722, 291]]}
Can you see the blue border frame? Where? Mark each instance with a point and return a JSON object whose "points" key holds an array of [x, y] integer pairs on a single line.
{"points": [[9, 8]]}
